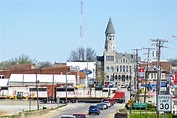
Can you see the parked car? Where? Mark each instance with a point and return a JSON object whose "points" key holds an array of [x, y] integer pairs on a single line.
{"points": [[105, 105], [102, 106], [67, 116], [108, 103], [80, 115], [94, 109], [111, 100]]}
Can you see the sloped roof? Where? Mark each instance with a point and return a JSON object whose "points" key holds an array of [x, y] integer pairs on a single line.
{"points": [[127, 56]]}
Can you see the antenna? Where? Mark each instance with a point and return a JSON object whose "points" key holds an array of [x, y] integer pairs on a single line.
{"points": [[81, 25]]}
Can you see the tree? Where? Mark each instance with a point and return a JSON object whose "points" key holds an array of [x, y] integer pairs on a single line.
{"points": [[44, 64], [82, 54], [22, 59]]}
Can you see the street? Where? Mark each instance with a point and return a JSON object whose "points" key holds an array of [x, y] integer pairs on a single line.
{"points": [[83, 108]]}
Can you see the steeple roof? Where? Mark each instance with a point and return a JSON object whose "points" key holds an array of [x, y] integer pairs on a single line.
{"points": [[110, 28]]}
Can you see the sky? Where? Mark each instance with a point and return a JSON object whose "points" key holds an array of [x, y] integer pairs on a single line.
{"points": [[48, 30]]}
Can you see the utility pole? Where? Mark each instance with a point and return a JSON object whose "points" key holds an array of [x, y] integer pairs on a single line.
{"points": [[130, 89], [37, 90], [136, 83], [147, 73], [52, 97], [159, 44]]}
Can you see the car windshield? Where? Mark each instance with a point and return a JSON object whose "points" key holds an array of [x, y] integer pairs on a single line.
{"points": [[67, 117], [79, 116], [93, 107], [106, 101]]}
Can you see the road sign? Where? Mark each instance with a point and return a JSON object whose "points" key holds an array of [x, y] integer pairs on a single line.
{"points": [[164, 103], [130, 102]]}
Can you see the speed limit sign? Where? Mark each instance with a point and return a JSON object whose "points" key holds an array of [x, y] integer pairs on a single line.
{"points": [[164, 103]]}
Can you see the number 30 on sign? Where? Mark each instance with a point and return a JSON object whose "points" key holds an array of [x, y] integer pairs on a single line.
{"points": [[164, 102]]}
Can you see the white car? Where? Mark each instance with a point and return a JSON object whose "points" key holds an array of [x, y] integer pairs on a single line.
{"points": [[67, 116], [108, 103]]}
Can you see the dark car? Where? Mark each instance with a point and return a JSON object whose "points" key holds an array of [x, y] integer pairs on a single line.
{"points": [[94, 109]]}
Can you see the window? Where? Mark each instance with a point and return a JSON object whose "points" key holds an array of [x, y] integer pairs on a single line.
{"points": [[124, 60], [107, 68], [162, 76], [115, 77], [112, 78], [151, 75], [123, 78], [117, 68], [127, 77], [119, 77], [154, 75], [107, 77], [112, 68], [126, 68], [120, 68], [109, 58], [130, 68], [123, 68]]}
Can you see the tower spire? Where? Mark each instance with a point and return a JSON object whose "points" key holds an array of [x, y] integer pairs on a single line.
{"points": [[110, 28]]}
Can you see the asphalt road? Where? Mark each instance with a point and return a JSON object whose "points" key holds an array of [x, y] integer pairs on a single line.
{"points": [[83, 108]]}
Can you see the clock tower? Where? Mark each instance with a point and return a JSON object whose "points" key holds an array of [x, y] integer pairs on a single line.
{"points": [[109, 52]]}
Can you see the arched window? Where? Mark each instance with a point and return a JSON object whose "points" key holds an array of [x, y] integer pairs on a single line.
{"points": [[115, 77], [117, 68], [112, 68], [107, 68], [127, 77]]}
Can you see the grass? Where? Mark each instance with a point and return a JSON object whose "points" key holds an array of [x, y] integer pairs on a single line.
{"points": [[9, 116], [58, 107], [144, 114]]}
